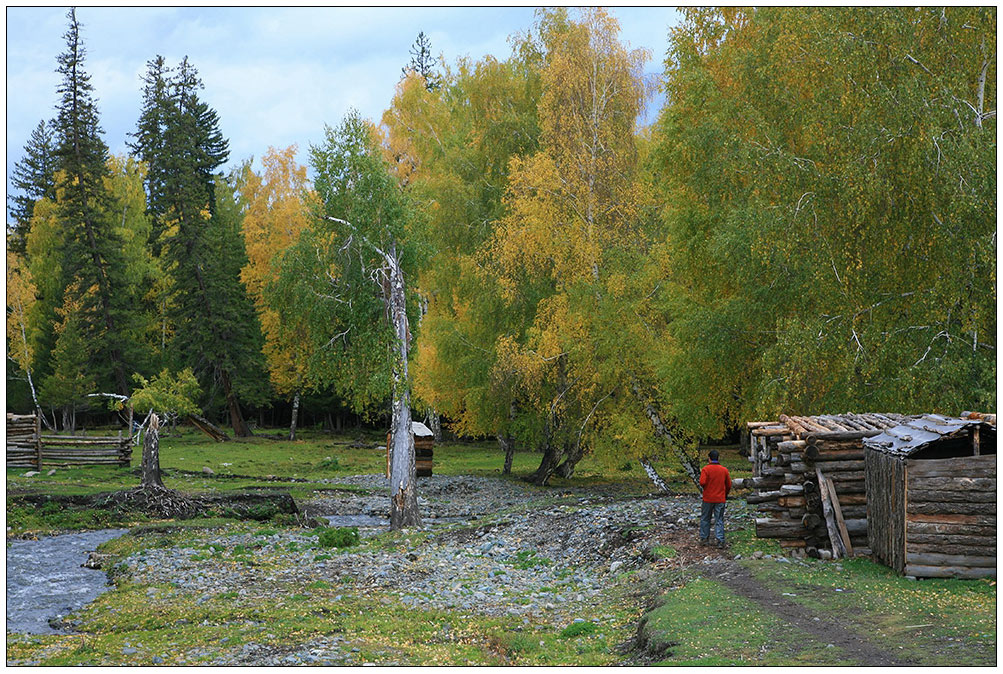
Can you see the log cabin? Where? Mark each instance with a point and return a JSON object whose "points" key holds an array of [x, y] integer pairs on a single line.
{"points": [[931, 496], [424, 446]]}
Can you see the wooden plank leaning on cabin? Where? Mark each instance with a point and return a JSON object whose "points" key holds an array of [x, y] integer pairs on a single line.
{"points": [[835, 539], [837, 511]]}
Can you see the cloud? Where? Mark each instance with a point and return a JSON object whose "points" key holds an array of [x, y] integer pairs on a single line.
{"points": [[275, 75]]}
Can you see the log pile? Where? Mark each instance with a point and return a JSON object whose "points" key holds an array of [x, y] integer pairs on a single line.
{"points": [[808, 481], [24, 448]]}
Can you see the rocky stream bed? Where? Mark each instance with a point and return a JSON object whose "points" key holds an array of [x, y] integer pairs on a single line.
{"points": [[493, 548]]}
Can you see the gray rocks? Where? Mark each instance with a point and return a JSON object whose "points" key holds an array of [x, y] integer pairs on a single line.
{"points": [[493, 547]]}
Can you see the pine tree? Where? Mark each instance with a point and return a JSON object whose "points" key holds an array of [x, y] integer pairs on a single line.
{"points": [[34, 178], [216, 331], [93, 264], [422, 63]]}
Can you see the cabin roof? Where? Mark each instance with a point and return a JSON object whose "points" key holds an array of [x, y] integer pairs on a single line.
{"points": [[916, 433], [821, 424], [420, 430]]}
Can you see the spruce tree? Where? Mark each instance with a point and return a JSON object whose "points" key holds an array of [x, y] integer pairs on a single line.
{"points": [[149, 141], [422, 63], [216, 330], [93, 265], [34, 178]]}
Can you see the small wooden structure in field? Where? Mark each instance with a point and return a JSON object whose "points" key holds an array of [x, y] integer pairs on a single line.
{"points": [[808, 481], [931, 496], [424, 445]]}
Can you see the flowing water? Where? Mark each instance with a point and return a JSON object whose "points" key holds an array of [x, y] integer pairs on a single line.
{"points": [[45, 579]]}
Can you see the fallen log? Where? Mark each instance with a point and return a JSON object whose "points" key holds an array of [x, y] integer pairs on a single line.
{"points": [[777, 528], [921, 571], [209, 428]]}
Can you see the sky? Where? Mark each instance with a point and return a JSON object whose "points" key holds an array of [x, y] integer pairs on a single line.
{"points": [[276, 76]]}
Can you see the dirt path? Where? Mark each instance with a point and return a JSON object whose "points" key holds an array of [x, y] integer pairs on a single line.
{"points": [[717, 565], [740, 581]]}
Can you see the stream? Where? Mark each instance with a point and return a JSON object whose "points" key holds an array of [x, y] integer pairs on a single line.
{"points": [[45, 578]]}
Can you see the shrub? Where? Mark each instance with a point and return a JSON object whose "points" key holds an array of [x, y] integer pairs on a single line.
{"points": [[339, 537], [578, 629], [330, 463]]}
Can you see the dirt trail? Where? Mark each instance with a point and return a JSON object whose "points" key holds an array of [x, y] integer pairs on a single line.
{"points": [[740, 581], [717, 565]]}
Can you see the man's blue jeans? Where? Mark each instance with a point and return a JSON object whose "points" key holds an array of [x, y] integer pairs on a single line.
{"points": [[717, 511]]}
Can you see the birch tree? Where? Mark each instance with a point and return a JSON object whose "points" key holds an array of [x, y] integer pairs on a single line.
{"points": [[350, 276]]}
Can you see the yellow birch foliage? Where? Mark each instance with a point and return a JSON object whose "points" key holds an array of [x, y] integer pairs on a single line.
{"points": [[21, 294], [277, 211]]}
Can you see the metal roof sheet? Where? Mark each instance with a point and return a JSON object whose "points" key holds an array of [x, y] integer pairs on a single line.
{"points": [[916, 433], [420, 429]]}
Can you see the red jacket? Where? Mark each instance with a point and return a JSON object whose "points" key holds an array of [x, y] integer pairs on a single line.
{"points": [[716, 482]]}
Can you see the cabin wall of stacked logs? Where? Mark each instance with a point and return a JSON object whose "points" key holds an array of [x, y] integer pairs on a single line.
{"points": [[787, 488], [27, 447], [934, 517]]}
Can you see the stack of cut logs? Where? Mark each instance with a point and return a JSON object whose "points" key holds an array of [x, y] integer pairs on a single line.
{"points": [[808, 481], [24, 447]]}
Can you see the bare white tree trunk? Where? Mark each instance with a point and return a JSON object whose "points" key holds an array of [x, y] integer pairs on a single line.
{"points": [[435, 425], [404, 510], [151, 455], [296, 412]]}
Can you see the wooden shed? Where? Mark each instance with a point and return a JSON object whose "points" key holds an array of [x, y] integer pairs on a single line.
{"points": [[931, 496], [808, 481], [424, 445]]}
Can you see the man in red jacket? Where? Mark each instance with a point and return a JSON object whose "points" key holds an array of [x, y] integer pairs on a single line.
{"points": [[715, 482]]}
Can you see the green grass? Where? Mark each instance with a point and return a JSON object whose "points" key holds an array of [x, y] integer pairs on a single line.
{"points": [[939, 622], [703, 623]]}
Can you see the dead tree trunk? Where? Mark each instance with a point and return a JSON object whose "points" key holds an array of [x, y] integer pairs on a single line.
{"points": [[240, 427], [404, 510], [507, 445], [296, 411], [151, 455]]}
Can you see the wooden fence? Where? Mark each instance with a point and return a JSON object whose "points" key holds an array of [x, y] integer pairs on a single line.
{"points": [[28, 448]]}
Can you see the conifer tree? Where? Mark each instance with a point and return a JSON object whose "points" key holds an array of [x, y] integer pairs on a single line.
{"points": [[216, 331], [93, 265], [422, 63], [34, 178]]}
